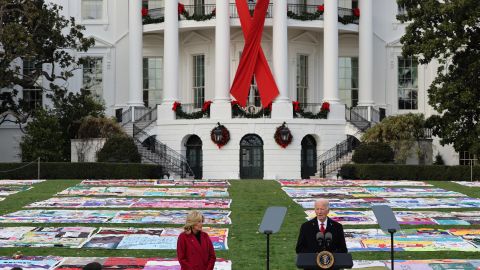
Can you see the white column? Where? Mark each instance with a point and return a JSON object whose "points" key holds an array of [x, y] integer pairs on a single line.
{"points": [[330, 64], [365, 90], [221, 108], [170, 53], [135, 56], [330, 44], [282, 106], [170, 60]]}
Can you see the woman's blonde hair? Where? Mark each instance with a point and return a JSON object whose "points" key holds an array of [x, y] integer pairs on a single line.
{"points": [[193, 218]]}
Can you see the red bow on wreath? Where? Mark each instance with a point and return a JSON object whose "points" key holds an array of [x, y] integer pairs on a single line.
{"points": [[176, 105]]}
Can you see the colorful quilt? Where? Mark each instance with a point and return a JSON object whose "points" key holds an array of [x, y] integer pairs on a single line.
{"points": [[432, 264], [377, 240], [91, 202], [112, 216], [9, 190], [66, 237], [149, 238], [362, 192], [115, 263], [352, 217], [468, 184], [155, 182], [59, 216], [9, 182], [350, 183], [408, 203], [145, 192], [170, 217], [30, 262]]}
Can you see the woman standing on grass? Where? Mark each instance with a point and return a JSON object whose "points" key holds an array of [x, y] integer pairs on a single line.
{"points": [[194, 247]]}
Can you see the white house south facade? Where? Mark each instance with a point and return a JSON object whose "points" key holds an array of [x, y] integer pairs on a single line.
{"points": [[152, 55]]}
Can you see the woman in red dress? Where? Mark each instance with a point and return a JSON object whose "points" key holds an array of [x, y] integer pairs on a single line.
{"points": [[194, 247]]}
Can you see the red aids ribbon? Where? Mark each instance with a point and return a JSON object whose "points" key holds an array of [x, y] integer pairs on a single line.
{"points": [[253, 59]]}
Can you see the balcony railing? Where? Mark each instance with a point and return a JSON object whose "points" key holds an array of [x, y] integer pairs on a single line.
{"points": [[155, 15], [250, 112], [191, 111], [313, 108], [251, 7], [207, 11]]}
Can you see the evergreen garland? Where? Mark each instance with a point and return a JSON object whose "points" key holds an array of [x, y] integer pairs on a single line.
{"points": [[347, 19], [149, 20], [177, 108], [308, 16], [309, 115], [322, 114], [305, 16], [198, 17], [240, 112]]}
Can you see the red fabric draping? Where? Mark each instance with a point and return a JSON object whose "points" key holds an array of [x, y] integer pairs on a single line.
{"points": [[253, 59]]}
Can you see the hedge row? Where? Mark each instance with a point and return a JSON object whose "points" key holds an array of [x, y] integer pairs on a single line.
{"points": [[66, 170], [408, 172]]}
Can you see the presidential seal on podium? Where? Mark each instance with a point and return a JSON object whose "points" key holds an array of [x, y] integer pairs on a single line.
{"points": [[325, 260]]}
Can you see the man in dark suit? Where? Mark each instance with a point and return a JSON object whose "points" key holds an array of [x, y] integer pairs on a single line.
{"points": [[307, 242]]}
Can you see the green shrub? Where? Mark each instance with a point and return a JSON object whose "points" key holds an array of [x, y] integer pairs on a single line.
{"points": [[438, 160], [373, 152], [66, 170], [408, 172], [402, 133], [43, 138], [119, 149], [98, 127]]}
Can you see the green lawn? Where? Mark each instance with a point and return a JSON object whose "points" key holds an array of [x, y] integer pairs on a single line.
{"points": [[247, 247]]}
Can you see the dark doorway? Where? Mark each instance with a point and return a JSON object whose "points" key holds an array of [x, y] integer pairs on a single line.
{"points": [[251, 157], [194, 155], [309, 157]]}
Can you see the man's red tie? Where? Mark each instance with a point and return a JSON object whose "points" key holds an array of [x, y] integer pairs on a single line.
{"points": [[322, 228]]}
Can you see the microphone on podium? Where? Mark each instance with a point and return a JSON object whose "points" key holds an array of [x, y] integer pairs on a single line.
{"points": [[320, 239], [328, 239]]}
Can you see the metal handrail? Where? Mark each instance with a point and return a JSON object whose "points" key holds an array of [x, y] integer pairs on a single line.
{"points": [[200, 10], [158, 14], [358, 116], [146, 114], [251, 7], [303, 9], [126, 116], [308, 107], [336, 153], [191, 107], [174, 160], [375, 115], [251, 111]]}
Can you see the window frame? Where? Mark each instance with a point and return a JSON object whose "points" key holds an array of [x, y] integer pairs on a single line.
{"points": [[104, 12], [412, 89], [198, 81], [352, 91], [101, 97], [304, 88], [36, 88], [465, 158], [158, 70]]}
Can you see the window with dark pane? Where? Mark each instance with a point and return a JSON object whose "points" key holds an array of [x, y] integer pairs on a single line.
{"points": [[198, 80], [407, 83]]}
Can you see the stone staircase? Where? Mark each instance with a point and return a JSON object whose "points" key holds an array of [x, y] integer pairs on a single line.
{"points": [[137, 122]]}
